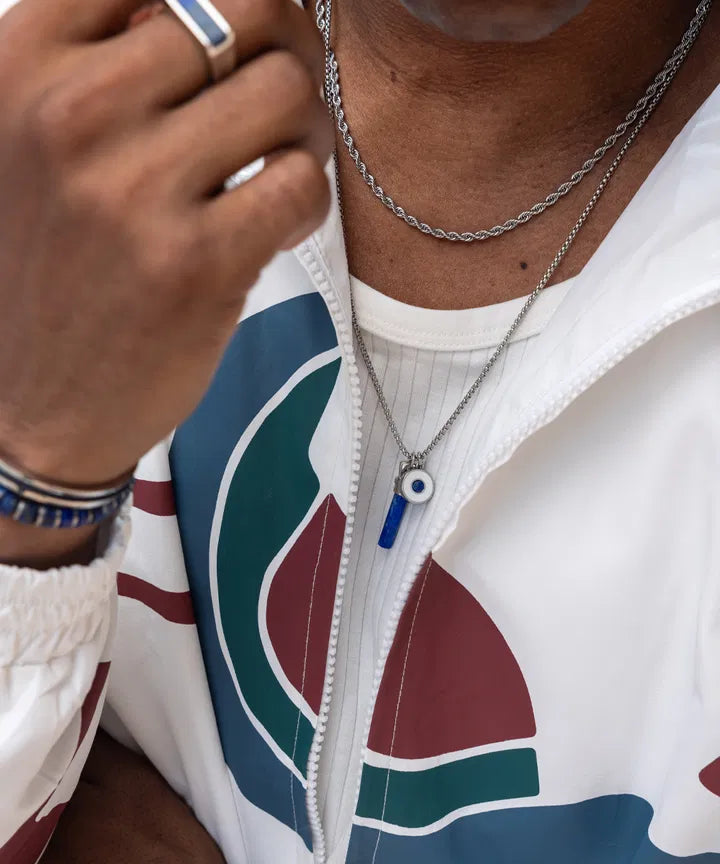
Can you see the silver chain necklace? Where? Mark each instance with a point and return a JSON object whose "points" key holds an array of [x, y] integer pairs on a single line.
{"points": [[332, 87], [413, 483]]}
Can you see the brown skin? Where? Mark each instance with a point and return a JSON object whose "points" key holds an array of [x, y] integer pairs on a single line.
{"points": [[112, 280], [493, 129], [496, 20], [123, 812], [120, 277]]}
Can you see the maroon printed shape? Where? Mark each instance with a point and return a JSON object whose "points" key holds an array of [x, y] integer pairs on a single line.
{"points": [[710, 777], [297, 613], [462, 686], [89, 706], [29, 841], [154, 497], [174, 606]]}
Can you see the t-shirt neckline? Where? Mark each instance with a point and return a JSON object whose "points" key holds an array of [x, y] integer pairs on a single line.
{"points": [[452, 329]]}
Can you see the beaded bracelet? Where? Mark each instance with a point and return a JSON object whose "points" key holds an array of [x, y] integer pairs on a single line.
{"points": [[36, 502]]}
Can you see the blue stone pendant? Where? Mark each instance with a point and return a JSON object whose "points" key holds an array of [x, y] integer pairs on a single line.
{"points": [[414, 486], [392, 521]]}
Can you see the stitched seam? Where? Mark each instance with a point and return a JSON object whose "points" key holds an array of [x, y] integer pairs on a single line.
{"points": [[305, 659], [397, 710]]}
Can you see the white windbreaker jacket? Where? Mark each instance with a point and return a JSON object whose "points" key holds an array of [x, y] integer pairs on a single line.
{"points": [[550, 685]]}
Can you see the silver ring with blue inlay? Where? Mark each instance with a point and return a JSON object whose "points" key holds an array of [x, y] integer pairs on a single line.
{"points": [[212, 31]]}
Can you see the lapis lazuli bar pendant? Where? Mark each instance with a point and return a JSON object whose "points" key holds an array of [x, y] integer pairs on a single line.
{"points": [[392, 522], [414, 486]]}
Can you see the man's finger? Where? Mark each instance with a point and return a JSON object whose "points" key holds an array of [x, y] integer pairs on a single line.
{"points": [[169, 62], [79, 20], [270, 104], [274, 210]]}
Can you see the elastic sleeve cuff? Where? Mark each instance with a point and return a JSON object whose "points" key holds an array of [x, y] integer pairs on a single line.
{"points": [[46, 614]]}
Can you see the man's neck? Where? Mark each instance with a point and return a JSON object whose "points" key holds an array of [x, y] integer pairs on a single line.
{"points": [[502, 98], [467, 135]]}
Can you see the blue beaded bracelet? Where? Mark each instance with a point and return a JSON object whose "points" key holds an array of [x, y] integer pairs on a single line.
{"points": [[35, 502]]}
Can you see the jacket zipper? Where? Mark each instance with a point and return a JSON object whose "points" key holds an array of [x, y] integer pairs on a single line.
{"points": [[320, 275]]}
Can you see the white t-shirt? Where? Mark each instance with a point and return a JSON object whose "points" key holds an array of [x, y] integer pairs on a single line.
{"points": [[426, 360]]}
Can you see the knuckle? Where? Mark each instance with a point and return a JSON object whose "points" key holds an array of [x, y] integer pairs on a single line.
{"points": [[303, 187], [84, 197], [272, 15], [63, 118], [174, 262], [49, 120], [108, 196], [293, 78], [129, 191]]}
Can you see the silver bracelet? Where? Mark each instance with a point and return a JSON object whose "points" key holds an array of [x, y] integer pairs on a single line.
{"points": [[38, 502]]}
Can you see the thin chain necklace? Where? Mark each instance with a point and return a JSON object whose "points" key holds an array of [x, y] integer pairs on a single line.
{"points": [[413, 483], [332, 87]]}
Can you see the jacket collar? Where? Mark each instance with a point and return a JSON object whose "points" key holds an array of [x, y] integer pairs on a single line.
{"points": [[662, 254], [327, 248], [659, 263]]}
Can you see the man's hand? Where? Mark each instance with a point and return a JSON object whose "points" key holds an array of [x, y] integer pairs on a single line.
{"points": [[123, 812], [122, 269]]}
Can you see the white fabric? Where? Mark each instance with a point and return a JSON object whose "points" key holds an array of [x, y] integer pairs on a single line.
{"points": [[426, 360], [56, 628]]}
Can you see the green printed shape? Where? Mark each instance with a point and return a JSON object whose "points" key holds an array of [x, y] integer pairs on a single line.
{"points": [[419, 798], [272, 490]]}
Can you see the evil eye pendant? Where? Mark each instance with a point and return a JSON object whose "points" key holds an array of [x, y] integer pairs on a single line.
{"points": [[413, 486], [417, 486]]}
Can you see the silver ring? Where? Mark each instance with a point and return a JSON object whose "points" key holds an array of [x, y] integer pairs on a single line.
{"points": [[212, 31]]}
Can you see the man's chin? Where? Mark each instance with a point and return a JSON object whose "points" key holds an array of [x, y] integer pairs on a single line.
{"points": [[496, 20]]}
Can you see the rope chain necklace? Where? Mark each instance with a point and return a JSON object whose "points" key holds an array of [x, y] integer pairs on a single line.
{"points": [[332, 88], [413, 483]]}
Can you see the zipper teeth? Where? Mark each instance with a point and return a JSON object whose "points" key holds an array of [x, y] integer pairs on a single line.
{"points": [[500, 454], [346, 344], [495, 458]]}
